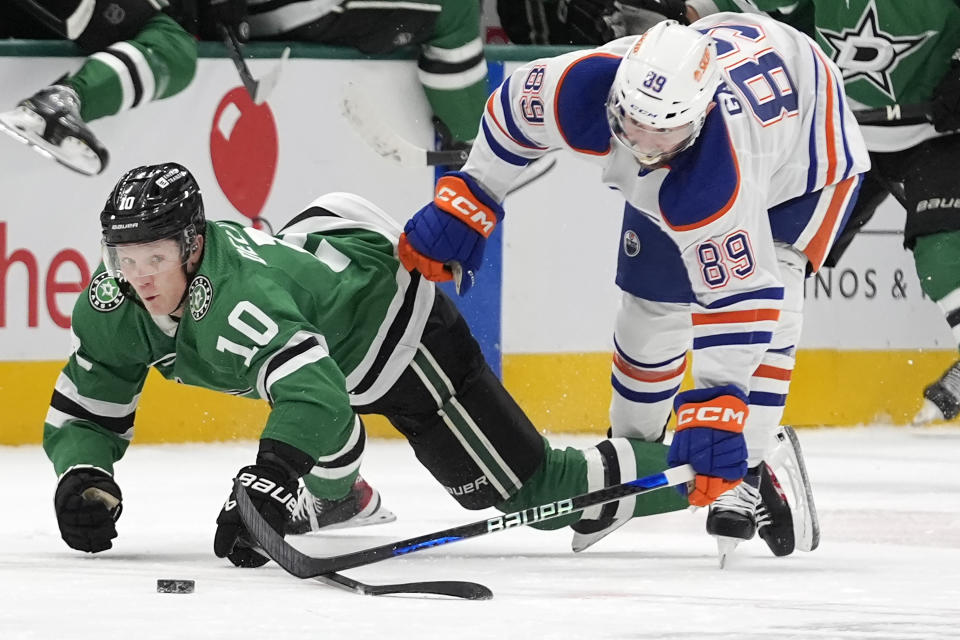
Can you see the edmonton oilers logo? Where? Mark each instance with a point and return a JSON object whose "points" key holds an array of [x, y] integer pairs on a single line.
{"points": [[631, 243], [104, 293], [200, 296]]}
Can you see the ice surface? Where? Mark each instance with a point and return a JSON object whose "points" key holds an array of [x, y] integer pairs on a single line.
{"points": [[888, 566]]}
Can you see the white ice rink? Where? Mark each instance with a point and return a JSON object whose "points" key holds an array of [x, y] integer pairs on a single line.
{"points": [[888, 566]]}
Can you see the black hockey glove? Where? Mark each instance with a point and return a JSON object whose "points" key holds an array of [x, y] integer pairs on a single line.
{"points": [[272, 487], [670, 9], [229, 13], [945, 106], [88, 503], [591, 21]]}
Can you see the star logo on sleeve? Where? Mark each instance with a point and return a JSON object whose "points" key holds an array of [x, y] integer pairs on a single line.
{"points": [[104, 293], [199, 296], [869, 53]]}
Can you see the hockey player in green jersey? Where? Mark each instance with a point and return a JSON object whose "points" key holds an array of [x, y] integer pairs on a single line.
{"points": [[138, 54], [896, 52], [322, 322]]}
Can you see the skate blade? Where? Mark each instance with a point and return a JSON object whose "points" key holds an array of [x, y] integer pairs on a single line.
{"points": [[725, 548], [72, 153], [928, 413], [582, 541], [382, 516]]}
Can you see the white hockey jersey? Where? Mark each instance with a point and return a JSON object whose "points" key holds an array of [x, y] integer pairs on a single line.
{"points": [[778, 159]]}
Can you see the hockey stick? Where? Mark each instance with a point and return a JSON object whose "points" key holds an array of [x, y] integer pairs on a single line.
{"points": [[358, 109], [895, 114], [261, 89], [301, 565]]}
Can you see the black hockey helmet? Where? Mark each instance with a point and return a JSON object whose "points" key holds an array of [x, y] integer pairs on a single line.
{"points": [[152, 203]]}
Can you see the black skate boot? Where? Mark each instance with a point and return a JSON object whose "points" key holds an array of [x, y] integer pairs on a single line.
{"points": [[50, 122], [733, 516], [360, 507], [941, 399], [774, 519]]}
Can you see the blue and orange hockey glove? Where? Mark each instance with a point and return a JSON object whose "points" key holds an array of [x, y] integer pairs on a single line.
{"points": [[709, 437], [451, 232]]}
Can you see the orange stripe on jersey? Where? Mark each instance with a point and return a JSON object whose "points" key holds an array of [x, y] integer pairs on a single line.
{"points": [[493, 116], [751, 315], [556, 103], [643, 375], [776, 373], [454, 196], [829, 125], [723, 209], [816, 249]]}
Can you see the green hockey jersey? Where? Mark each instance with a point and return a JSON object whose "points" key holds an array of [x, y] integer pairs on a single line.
{"points": [[889, 51], [316, 319]]}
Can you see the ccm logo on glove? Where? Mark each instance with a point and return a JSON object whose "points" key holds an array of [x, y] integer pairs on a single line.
{"points": [[729, 418], [270, 488], [454, 196]]}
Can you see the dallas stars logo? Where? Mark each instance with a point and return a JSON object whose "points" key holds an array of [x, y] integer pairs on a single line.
{"points": [[868, 52], [200, 296], [104, 294]]}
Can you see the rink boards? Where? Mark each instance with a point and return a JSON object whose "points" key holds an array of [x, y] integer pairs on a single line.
{"points": [[546, 299]]}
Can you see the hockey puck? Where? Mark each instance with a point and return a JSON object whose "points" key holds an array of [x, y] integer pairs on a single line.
{"points": [[175, 586]]}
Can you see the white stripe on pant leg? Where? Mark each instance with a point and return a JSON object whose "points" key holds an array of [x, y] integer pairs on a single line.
{"points": [[385, 4], [473, 455], [452, 81], [436, 368], [123, 76], [426, 383], [453, 428], [458, 54], [486, 443], [144, 71], [627, 460], [595, 476]]}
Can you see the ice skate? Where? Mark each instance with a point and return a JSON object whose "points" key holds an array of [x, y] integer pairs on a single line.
{"points": [[733, 516], [50, 122], [941, 399], [794, 482], [361, 507]]}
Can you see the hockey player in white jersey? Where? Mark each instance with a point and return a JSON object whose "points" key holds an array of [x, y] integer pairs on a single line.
{"points": [[739, 160]]}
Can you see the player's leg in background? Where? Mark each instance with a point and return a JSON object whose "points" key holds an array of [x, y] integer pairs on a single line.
{"points": [[467, 430], [141, 55], [453, 72], [932, 232], [757, 504], [451, 66], [156, 62]]}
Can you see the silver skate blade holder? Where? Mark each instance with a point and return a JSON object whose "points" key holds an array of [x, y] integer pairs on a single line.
{"points": [[261, 89], [457, 272]]}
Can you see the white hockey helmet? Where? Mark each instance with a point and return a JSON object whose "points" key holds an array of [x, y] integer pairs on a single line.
{"points": [[662, 90]]}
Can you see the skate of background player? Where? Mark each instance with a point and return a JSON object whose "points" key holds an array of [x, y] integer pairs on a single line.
{"points": [[858, 360]]}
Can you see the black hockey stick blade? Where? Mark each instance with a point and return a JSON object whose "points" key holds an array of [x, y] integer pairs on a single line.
{"points": [[450, 588], [271, 544], [895, 114], [304, 566]]}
